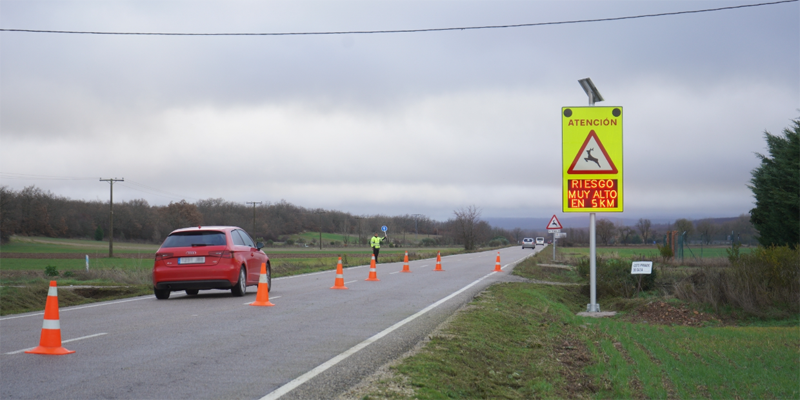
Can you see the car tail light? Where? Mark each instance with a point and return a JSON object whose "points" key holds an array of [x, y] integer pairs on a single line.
{"points": [[163, 256], [221, 254]]}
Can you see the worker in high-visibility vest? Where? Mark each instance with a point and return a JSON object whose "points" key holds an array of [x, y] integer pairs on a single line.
{"points": [[375, 242]]}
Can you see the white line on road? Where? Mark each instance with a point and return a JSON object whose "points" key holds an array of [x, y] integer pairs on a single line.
{"points": [[351, 281], [392, 273], [270, 297], [82, 307], [63, 341], [277, 393]]}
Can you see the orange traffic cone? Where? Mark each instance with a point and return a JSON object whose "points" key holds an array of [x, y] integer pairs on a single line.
{"points": [[438, 262], [50, 342], [497, 264], [373, 273], [405, 263], [339, 282], [262, 296]]}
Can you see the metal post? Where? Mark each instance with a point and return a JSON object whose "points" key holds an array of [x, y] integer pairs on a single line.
{"points": [[593, 306], [554, 246]]}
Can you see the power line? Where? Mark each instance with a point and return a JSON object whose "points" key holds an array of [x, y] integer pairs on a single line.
{"points": [[463, 28], [13, 175], [150, 190]]}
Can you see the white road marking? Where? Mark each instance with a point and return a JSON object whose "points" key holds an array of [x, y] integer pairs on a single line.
{"points": [[350, 282], [422, 266], [277, 393], [63, 341], [392, 273], [81, 307], [270, 297]]}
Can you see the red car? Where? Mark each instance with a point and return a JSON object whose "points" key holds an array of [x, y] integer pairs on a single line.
{"points": [[208, 257]]}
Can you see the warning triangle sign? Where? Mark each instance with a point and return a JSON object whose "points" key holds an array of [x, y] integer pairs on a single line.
{"points": [[592, 158], [554, 223]]}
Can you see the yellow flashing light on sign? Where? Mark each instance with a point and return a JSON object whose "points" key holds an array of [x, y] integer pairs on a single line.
{"points": [[591, 157]]}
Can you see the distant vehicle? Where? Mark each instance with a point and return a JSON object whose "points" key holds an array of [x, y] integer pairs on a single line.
{"points": [[208, 257], [528, 243], [540, 240]]}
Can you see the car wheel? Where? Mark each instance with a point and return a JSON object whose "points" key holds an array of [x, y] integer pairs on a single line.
{"points": [[269, 278], [161, 294], [192, 292], [240, 288]]}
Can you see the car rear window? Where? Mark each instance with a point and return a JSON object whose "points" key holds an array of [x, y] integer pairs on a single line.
{"points": [[194, 239]]}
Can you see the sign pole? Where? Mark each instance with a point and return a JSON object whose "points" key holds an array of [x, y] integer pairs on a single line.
{"points": [[592, 167], [554, 246], [593, 306]]}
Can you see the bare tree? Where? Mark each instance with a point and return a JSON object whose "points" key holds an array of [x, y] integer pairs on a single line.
{"points": [[466, 226], [517, 234], [644, 228], [605, 230], [706, 229], [684, 225], [625, 233]]}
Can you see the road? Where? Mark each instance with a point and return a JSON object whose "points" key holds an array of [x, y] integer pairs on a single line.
{"points": [[315, 343]]}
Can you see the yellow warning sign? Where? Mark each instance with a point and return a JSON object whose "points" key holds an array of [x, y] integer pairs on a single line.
{"points": [[591, 157]]}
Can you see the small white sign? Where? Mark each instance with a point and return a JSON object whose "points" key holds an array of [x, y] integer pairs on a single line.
{"points": [[561, 235], [642, 267]]}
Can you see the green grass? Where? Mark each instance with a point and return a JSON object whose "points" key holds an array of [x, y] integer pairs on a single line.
{"points": [[524, 341], [650, 252], [21, 244], [35, 264]]}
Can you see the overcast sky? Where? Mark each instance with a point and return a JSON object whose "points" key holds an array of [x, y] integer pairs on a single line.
{"points": [[396, 123]]}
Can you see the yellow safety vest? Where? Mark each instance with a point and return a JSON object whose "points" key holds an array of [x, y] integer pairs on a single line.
{"points": [[375, 242]]}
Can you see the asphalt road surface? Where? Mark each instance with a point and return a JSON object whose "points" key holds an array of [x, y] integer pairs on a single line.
{"points": [[315, 343]]}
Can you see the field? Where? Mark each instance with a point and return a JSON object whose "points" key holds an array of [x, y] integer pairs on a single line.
{"points": [[649, 252], [523, 340], [28, 263]]}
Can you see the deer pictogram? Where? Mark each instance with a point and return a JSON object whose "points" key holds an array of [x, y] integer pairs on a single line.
{"points": [[590, 158]]}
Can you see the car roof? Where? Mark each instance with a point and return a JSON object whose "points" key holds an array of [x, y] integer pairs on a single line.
{"points": [[205, 228]]}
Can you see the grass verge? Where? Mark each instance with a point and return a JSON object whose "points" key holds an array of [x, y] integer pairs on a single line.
{"points": [[524, 341]]}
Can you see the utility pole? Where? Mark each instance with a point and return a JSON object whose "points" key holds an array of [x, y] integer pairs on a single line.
{"points": [[111, 215], [320, 212], [358, 219], [254, 214], [416, 231]]}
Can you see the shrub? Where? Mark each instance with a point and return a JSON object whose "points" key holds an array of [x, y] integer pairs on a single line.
{"points": [[614, 277], [428, 242], [98, 234], [50, 270], [666, 252], [289, 242], [765, 282]]}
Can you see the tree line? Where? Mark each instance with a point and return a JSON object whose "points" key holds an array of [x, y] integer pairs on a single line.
{"points": [[703, 231], [34, 212]]}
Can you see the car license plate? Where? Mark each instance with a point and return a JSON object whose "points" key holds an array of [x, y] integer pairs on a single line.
{"points": [[191, 260]]}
